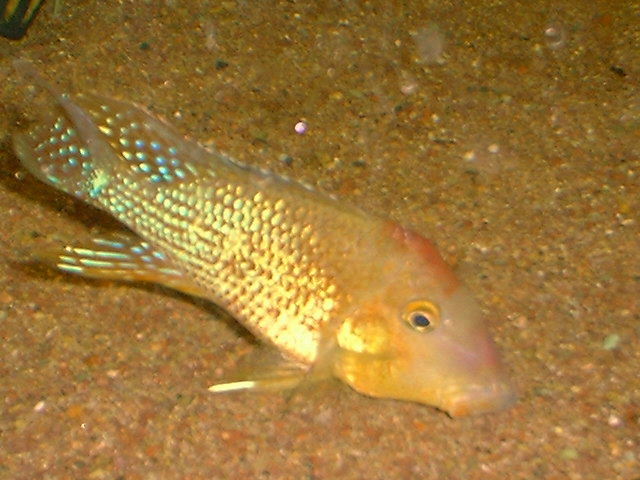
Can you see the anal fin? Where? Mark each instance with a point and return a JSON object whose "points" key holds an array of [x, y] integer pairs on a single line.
{"points": [[120, 257]]}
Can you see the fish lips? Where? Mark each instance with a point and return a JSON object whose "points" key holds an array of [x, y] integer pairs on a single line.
{"points": [[477, 399]]}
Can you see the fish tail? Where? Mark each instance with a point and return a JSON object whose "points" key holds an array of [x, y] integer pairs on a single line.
{"points": [[94, 140], [68, 151]]}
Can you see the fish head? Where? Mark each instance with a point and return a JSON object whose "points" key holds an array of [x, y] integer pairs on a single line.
{"points": [[420, 336]]}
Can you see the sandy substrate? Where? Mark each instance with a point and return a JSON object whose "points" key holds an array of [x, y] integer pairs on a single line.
{"points": [[514, 144]]}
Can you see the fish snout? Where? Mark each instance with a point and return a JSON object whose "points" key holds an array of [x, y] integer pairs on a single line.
{"points": [[480, 384], [480, 398]]}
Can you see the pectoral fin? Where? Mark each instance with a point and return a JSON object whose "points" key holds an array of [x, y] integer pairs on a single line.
{"points": [[267, 370], [264, 369]]}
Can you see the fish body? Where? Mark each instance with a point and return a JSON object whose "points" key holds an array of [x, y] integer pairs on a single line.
{"points": [[335, 289], [16, 16]]}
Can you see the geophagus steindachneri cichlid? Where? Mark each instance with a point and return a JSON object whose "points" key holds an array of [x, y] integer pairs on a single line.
{"points": [[338, 291]]}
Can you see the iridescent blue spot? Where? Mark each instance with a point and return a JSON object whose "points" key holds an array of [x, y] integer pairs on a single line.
{"points": [[159, 255], [64, 137], [73, 149], [72, 161], [167, 177], [108, 243], [173, 150], [145, 167], [120, 208], [63, 151], [160, 160], [125, 142], [87, 166], [140, 143], [175, 162], [53, 140], [141, 155], [84, 152], [163, 170], [179, 173], [138, 249], [155, 178], [155, 146], [53, 179]]}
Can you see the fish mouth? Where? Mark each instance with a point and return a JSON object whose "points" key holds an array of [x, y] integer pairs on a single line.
{"points": [[478, 399]]}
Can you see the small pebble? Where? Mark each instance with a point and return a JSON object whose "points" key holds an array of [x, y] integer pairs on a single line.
{"points": [[300, 127], [555, 35], [569, 453], [614, 420], [521, 322], [611, 342], [286, 159], [469, 156]]}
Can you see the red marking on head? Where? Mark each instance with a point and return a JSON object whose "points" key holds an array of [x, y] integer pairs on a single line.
{"points": [[429, 254]]}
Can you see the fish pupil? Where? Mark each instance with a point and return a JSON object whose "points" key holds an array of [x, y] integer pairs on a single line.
{"points": [[420, 320]]}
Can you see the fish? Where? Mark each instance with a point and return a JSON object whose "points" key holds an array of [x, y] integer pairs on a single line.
{"points": [[16, 16], [337, 291]]}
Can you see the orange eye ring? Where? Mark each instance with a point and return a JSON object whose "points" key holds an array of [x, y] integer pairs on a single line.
{"points": [[422, 315]]}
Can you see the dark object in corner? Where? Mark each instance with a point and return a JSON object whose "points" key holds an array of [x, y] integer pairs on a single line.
{"points": [[16, 16]]}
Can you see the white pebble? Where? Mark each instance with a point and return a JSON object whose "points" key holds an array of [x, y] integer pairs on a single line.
{"points": [[614, 420], [300, 127]]}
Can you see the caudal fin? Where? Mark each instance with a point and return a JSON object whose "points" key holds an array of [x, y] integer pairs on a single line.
{"points": [[91, 140], [67, 150]]}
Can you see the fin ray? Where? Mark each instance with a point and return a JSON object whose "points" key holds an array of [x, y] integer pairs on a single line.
{"points": [[120, 257], [262, 370], [92, 139]]}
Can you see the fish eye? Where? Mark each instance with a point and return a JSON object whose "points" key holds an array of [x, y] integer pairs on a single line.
{"points": [[422, 315]]}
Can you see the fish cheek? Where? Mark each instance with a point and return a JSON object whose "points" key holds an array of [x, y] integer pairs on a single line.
{"points": [[390, 376], [365, 350], [369, 360], [365, 373]]}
